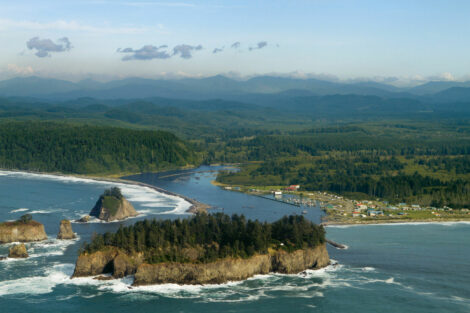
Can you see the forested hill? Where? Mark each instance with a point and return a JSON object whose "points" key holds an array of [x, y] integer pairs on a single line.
{"points": [[85, 149]]}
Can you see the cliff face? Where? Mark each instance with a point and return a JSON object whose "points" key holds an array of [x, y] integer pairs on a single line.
{"points": [[22, 232], [109, 208], [211, 273], [300, 260], [18, 251], [65, 231], [110, 261], [229, 269]]}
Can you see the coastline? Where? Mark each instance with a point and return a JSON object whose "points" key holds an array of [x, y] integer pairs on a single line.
{"points": [[196, 206], [391, 223]]}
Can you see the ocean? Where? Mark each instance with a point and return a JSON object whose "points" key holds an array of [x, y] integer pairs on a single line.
{"points": [[386, 268]]}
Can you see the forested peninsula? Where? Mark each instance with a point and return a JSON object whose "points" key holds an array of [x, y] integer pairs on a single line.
{"points": [[205, 249]]}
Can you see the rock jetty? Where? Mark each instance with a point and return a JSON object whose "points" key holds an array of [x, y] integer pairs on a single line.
{"points": [[112, 206], [18, 251], [65, 231], [119, 264]]}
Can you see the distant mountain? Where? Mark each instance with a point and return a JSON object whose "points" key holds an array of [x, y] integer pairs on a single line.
{"points": [[190, 88], [431, 88], [455, 94], [34, 86], [259, 90]]}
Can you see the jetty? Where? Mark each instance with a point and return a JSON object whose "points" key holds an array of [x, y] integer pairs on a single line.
{"points": [[335, 244]]}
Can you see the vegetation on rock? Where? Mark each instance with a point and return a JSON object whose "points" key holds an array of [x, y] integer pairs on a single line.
{"points": [[206, 238], [112, 205]]}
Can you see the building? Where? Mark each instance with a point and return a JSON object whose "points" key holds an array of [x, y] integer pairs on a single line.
{"points": [[374, 213], [361, 207], [293, 187]]}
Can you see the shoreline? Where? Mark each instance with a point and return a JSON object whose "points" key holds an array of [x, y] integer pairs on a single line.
{"points": [[196, 206], [391, 223]]}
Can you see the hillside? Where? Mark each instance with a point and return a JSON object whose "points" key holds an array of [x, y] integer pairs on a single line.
{"points": [[86, 149]]}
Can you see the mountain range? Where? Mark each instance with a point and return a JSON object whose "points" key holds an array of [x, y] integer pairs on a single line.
{"points": [[223, 88]]}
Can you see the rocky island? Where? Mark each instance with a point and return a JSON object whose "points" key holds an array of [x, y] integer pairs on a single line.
{"points": [[205, 249], [22, 230], [18, 251], [65, 230], [112, 206]]}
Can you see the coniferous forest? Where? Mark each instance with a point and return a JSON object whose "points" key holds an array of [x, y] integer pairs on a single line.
{"points": [[206, 238], [85, 149]]}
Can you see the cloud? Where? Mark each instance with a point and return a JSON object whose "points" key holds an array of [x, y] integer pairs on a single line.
{"points": [[147, 52], [442, 77], [235, 45], [150, 52], [217, 50], [20, 70], [44, 47], [259, 45], [185, 51]]}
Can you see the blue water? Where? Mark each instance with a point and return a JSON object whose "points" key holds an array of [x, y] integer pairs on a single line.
{"points": [[387, 268]]}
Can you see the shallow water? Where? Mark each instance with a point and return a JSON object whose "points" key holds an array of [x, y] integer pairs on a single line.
{"points": [[393, 268]]}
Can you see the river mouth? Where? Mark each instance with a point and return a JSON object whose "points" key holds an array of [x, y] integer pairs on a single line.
{"points": [[196, 184]]}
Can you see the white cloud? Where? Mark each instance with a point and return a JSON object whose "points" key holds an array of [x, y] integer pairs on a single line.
{"points": [[20, 70]]}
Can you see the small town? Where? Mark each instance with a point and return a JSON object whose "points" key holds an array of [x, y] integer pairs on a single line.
{"points": [[340, 210]]}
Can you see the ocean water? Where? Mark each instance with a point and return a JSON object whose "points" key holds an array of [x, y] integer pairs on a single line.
{"points": [[386, 268]]}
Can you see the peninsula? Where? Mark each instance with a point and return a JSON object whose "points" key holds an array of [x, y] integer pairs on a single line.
{"points": [[205, 249]]}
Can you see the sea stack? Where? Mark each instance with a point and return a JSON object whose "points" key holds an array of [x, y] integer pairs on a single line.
{"points": [[22, 230], [65, 231], [18, 251], [112, 206]]}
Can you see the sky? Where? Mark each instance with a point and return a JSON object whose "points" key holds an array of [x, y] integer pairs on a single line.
{"points": [[400, 42]]}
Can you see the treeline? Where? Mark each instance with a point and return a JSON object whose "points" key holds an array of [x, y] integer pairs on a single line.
{"points": [[265, 147], [414, 188], [205, 238], [85, 149]]}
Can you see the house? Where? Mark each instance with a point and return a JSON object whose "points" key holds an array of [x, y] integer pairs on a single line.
{"points": [[356, 214], [374, 213], [361, 207]]}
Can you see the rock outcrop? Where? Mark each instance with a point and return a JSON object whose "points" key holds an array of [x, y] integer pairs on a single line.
{"points": [[120, 264], [111, 260], [65, 231], [111, 208], [84, 219], [211, 273], [18, 251], [22, 232]]}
